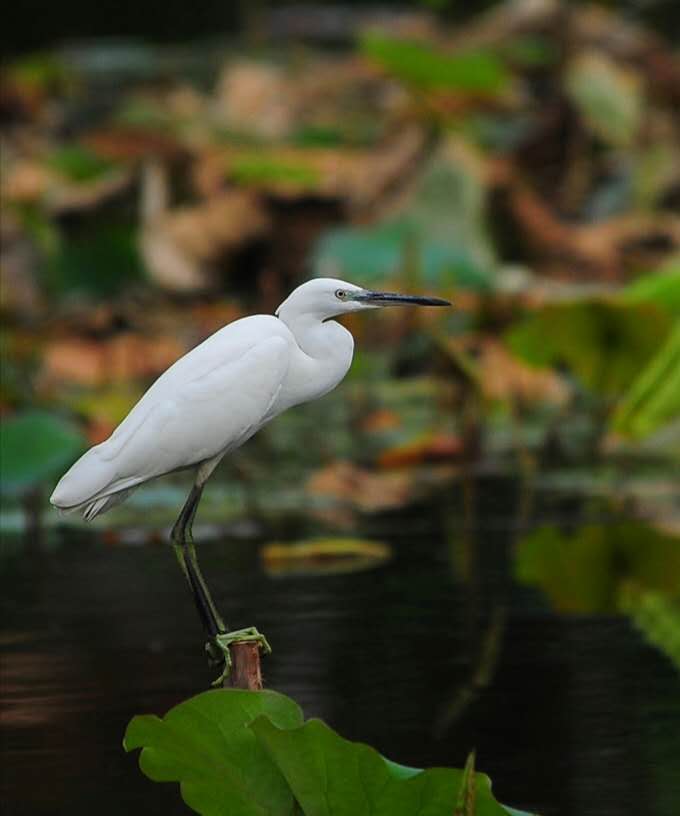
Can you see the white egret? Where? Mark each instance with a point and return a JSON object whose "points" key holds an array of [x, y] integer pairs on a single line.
{"points": [[214, 399]]}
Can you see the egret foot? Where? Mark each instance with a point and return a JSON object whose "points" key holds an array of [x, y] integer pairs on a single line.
{"points": [[220, 655]]}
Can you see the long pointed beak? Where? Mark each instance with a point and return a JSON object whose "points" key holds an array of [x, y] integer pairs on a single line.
{"points": [[390, 299]]}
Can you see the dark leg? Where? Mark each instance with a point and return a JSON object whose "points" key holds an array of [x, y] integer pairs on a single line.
{"points": [[186, 555], [219, 640]]}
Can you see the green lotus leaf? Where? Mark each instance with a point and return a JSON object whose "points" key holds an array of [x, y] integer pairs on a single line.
{"points": [[331, 776], [204, 744]]}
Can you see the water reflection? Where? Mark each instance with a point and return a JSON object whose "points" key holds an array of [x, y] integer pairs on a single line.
{"points": [[569, 714]]}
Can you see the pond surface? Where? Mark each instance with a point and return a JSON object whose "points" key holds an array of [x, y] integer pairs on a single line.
{"points": [[426, 656]]}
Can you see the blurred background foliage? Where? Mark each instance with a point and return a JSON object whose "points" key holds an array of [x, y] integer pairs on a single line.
{"points": [[159, 179], [524, 164]]}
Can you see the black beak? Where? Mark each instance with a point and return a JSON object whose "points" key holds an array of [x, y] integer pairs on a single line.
{"points": [[389, 299]]}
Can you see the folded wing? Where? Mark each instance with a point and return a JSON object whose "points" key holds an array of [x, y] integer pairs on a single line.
{"points": [[209, 402]]}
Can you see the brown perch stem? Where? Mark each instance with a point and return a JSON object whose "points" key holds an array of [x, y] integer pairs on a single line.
{"points": [[245, 670]]}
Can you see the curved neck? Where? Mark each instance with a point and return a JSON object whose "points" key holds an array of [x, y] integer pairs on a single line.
{"points": [[324, 355], [314, 336]]}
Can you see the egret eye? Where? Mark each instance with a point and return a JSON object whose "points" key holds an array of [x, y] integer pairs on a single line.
{"points": [[340, 294]]}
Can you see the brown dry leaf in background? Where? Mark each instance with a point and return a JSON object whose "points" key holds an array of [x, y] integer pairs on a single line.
{"points": [[360, 176], [180, 245], [168, 266], [20, 290], [365, 490], [104, 408], [99, 430], [255, 97], [434, 448], [504, 377], [219, 225], [607, 250], [131, 356], [124, 357], [73, 360], [207, 318], [501, 376], [64, 197], [25, 180], [381, 420], [270, 101], [130, 143]]}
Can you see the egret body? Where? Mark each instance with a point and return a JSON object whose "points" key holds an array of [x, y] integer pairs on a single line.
{"points": [[213, 399]]}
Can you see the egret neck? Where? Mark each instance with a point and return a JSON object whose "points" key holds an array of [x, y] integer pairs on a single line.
{"points": [[324, 355]]}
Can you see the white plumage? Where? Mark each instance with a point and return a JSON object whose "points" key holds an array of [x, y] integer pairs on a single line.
{"points": [[211, 401], [222, 392]]}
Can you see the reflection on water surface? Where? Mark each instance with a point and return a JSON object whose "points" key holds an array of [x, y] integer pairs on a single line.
{"points": [[425, 655]]}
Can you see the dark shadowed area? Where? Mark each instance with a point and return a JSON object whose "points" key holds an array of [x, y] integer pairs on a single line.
{"points": [[569, 714]]}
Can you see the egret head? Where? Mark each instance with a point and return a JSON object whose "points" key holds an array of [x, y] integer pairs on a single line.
{"points": [[324, 298]]}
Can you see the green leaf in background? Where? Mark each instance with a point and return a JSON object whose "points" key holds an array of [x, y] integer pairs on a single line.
{"points": [[661, 287], [33, 447], [262, 169], [318, 136], [653, 399], [438, 239], [648, 177], [607, 96], [41, 71], [356, 134], [39, 226], [101, 262], [604, 343], [108, 404], [586, 572], [145, 113], [331, 776], [80, 164], [658, 618], [203, 744], [378, 254], [530, 51], [426, 67], [448, 208]]}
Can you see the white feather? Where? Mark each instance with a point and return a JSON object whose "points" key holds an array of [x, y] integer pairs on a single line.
{"points": [[209, 402], [222, 392]]}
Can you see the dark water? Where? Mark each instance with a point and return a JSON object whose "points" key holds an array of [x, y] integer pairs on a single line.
{"points": [[578, 716]]}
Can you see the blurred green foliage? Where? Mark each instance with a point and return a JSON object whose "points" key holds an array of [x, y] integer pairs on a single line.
{"points": [[437, 239], [603, 343], [624, 568], [100, 261], [492, 174], [35, 446], [653, 399], [394, 250], [608, 97], [661, 287], [263, 169], [587, 571], [657, 616], [79, 164], [428, 68], [43, 72]]}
